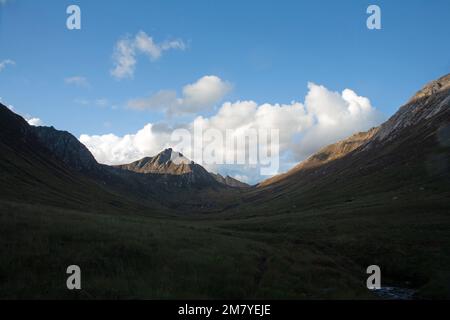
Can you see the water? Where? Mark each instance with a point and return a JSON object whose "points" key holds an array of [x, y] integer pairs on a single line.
{"points": [[395, 293]]}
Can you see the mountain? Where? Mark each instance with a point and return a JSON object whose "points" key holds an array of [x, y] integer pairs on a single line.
{"points": [[169, 179], [166, 162], [51, 167], [42, 166], [170, 164], [416, 135]]}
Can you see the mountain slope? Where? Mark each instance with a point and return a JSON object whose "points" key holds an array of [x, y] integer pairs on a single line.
{"points": [[427, 110], [33, 173], [67, 148], [416, 137]]}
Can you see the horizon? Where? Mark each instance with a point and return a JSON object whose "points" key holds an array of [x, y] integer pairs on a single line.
{"points": [[126, 80]]}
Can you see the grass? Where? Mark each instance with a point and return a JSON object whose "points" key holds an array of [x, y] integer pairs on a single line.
{"points": [[298, 255], [124, 256]]}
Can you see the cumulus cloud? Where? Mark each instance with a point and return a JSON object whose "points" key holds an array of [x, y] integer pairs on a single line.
{"points": [[325, 117], [36, 122], [198, 96], [204, 93], [5, 63], [112, 149], [77, 81], [336, 116], [127, 48]]}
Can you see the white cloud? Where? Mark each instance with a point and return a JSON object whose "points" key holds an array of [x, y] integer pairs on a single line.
{"points": [[336, 116], [196, 97], [77, 81], [207, 91], [126, 50], [325, 117], [124, 59], [5, 63], [153, 50], [112, 149], [35, 122]]}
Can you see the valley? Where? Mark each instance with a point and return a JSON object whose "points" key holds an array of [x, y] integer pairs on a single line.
{"points": [[165, 228]]}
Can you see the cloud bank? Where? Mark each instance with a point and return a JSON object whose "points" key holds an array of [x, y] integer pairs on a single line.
{"points": [[323, 118]]}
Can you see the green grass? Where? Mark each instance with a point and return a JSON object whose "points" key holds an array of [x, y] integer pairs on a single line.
{"points": [[151, 258], [299, 255]]}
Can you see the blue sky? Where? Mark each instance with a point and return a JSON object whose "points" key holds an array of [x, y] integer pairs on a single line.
{"points": [[267, 50]]}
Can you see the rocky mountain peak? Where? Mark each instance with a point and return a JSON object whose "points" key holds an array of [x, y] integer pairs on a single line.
{"points": [[169, 155], [167, 161], [433, 87]]}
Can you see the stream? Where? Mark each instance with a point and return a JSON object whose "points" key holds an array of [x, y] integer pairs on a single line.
{"points": [[395, 293]]}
